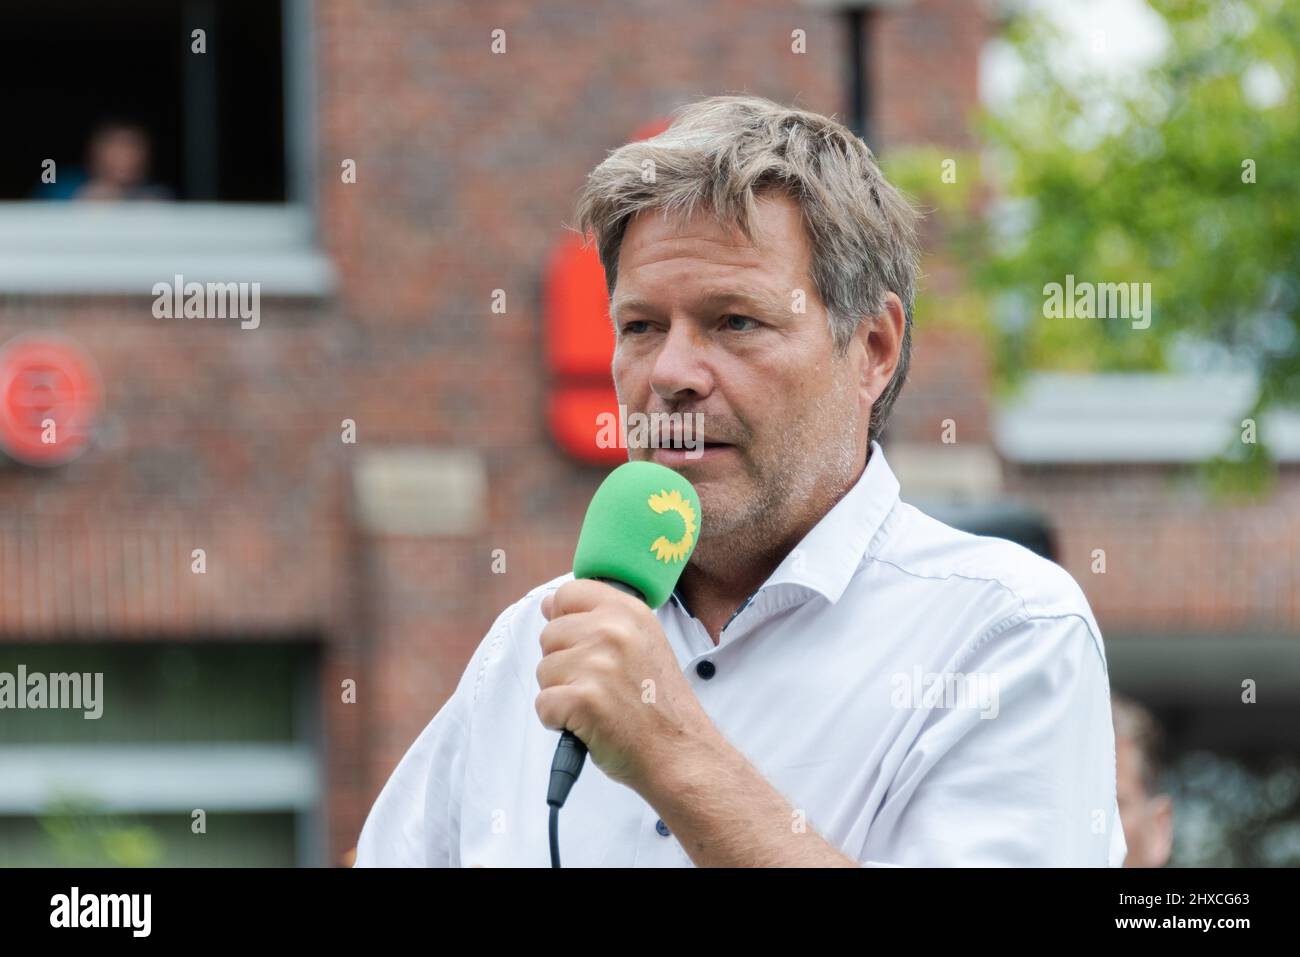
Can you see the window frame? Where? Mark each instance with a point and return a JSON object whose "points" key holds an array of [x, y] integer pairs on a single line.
{"points": [[51, 248]]}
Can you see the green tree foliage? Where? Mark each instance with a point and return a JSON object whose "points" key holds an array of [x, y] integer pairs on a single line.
{"points": [[1183, 173], [1152, 182]]}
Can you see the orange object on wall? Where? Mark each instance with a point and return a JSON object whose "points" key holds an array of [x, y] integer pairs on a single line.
{"points": [[579, 345]]}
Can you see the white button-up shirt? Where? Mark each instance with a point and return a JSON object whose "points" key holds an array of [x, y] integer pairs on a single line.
{"points": [[921, 696]]}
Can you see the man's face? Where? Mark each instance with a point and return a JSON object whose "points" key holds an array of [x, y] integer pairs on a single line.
{"points": [[121, 157], [707, 322], [1147, 820]]}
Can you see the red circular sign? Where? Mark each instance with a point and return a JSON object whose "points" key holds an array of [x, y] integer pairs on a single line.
{"points": [[49, 397]]}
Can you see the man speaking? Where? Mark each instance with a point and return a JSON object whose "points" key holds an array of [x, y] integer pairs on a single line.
{"points": [[838, 680]]}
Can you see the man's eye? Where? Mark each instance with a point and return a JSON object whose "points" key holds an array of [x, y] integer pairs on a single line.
{"points": [[736, 323], [635, 326]]}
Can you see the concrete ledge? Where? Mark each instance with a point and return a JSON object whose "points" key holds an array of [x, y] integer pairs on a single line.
{"points": [[1135, 418], [49, 248], [968, 472], [421, 491]]}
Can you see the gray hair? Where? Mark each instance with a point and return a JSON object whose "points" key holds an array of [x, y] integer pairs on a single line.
{"points": [[721, 153]]}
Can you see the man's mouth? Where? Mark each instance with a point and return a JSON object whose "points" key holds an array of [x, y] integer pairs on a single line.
{"points": [[676, 439], [692, 445], [690, 453], [680, 439]]}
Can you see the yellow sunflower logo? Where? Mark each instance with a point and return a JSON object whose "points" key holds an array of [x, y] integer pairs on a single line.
{"points": [[666, 551]]}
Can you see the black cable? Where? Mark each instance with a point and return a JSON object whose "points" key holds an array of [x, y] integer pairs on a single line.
{"points": [[570, 754], [555, 836]]}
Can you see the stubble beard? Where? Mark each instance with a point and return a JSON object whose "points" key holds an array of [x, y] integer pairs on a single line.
{"points": [[794, 480]]}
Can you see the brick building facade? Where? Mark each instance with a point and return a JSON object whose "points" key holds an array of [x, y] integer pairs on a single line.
{"points": [[467, 163]]}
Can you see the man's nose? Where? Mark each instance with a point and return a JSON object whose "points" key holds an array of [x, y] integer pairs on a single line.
{"points": [[679, 366]]}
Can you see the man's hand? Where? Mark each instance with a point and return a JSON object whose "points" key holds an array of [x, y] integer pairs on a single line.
{"points": [[608, 675]]}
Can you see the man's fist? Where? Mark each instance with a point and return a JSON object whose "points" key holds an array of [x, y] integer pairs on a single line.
{"points": [[609, 675]]}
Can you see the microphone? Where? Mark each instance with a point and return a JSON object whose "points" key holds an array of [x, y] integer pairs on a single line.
{"points": [[640, 530]]}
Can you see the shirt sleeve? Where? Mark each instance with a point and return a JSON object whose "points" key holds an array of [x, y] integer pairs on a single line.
{"points": [[1021, 774], [415, 821]]}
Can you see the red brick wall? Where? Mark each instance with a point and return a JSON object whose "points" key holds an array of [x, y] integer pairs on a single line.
{"points": [[211, 438], [1176, 560], [229, 440], [467, 164]]}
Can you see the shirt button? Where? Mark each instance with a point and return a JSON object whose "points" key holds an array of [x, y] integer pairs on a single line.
{"points": [[705, 669], [661, 827]]}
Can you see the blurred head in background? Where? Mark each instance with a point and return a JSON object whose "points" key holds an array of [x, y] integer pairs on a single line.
{"points": [[1147, 815], [118, 157]]}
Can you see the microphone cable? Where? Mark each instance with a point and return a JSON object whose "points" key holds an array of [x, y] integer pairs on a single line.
{"points": [[570, 754]]}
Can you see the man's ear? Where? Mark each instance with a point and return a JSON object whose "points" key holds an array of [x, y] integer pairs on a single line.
{"points": [[880, 339]]}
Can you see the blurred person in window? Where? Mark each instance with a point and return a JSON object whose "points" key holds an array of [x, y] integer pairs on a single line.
{"points": [[1147, 814], [118, 155]]}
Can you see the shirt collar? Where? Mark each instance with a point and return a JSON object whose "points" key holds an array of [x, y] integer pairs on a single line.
{"points": [[829, 555]]}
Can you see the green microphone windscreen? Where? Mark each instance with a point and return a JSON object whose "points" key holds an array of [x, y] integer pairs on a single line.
{"points": [[640, 529]]}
